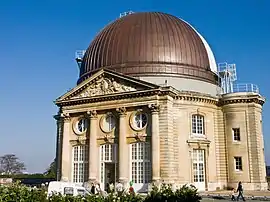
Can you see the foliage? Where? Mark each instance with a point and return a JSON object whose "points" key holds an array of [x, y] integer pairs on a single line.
{"points": [[17, 192], [10, 164], [165, 193], [51, 171], [25, 176]]}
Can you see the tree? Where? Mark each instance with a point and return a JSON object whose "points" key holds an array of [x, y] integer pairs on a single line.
{"points": [[10, 164], [51, 171]]}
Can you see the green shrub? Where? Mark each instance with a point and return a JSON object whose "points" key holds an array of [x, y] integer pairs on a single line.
{"points": [[165, 193], [16, 192], [20, 193], [187, 193]]}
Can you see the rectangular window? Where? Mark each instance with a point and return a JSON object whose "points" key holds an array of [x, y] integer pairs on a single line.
{"points": [[197, 124], [198, 165], [80, 163], [141, 162], [238, 163], [236, 134]]}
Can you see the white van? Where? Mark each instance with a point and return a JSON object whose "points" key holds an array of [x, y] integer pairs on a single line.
{"points": [[66, 189]]}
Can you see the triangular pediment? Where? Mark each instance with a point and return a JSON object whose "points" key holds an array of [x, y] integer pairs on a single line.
{"points": [[106, 82]]}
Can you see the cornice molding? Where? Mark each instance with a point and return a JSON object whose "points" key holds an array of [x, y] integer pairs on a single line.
{"points": [[166, 91], [194, 98], [256, 100]]}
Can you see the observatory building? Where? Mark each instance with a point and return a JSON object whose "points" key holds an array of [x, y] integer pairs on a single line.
{"points": [[152, 105]]}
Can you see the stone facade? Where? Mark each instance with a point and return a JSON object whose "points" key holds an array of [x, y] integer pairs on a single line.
{"points": [[169, 131]]}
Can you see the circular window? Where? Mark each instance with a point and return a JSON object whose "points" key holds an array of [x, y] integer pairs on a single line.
{"points": [[139, 120], [81, 125], [108, 123]]}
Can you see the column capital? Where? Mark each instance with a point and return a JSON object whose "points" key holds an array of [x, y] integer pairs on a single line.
{"points": [[92, 114], [65, 117], [121, 111], [154, 108]]}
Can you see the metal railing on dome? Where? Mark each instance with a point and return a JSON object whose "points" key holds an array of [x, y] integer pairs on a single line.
{"points": [[245, 87], [125, 13], [79, 54]]}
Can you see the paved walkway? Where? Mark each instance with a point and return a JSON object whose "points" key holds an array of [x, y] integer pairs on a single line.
{"points": [[246, 193], [213, 200], [226, 195]]}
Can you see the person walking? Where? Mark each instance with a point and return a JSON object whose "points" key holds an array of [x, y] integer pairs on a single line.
{"points": [[240, 191]]}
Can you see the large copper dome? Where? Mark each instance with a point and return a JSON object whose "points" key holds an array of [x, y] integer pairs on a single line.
{"points": [[149, 44]]}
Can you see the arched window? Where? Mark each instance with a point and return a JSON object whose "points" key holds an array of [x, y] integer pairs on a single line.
{"points": [[80, 163], [197, 124]]}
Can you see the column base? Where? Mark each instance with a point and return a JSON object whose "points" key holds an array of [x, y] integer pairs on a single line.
{"points": [[92, 180], [64, 179], [156, 181], [89, 183], [124, 182]]}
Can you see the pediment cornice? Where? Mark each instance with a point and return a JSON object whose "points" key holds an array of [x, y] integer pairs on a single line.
{"points": [[104, 83]]}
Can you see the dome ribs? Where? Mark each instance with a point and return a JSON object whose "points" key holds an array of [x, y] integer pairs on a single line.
{"points": [[149, 43]]}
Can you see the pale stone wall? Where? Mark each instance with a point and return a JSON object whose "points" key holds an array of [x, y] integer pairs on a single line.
{"points": [[183, 111], [221, 149], [184, 84], [247, 117], [167, 164], [236, 118], [211, 156]]}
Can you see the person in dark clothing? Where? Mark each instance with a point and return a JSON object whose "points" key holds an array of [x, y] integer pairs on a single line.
{"points": [[108, 188], [240, 192], [93, 188]]}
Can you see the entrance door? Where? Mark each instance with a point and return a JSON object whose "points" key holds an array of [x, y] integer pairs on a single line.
{"points": [[109, 175], [108, 164], [199, 169]]}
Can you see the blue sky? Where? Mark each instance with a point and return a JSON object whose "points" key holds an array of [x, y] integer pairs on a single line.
{"points": [[38, 40]]}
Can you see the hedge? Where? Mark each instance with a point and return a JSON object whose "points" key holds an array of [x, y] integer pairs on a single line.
{"points": [[17, 192]]}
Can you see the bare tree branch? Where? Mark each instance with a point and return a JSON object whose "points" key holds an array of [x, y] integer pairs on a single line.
{"points": [[10, 164]]}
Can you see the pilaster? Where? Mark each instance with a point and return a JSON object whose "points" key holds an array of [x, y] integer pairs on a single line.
{"points": [[59, 139], [93, 149], [65, 160], [123, 147], [155, 142]]}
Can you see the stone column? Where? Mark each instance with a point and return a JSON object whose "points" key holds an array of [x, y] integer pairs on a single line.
{"points": [[59, 139], [155, 143], [123, 147], [65, 160], [93, 149]]}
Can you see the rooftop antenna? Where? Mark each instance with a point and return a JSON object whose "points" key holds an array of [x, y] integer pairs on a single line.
{"points": [[227, 74], [79, 57], [125, 13]]}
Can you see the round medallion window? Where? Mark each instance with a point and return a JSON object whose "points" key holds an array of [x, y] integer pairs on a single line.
{"points": [[139, 120], [81, 125], [108, 123]]}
